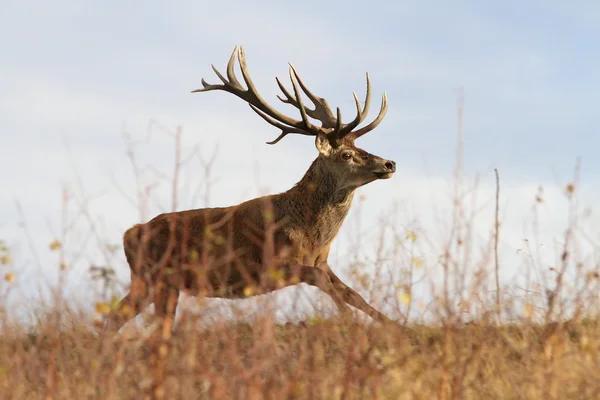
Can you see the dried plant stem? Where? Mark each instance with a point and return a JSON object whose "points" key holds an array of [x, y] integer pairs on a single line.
{"points": [[496, 240]]}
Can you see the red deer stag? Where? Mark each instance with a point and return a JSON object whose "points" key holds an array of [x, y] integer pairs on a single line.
{"points": [[266, 243]]}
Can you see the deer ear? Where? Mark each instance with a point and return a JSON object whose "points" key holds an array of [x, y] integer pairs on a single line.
{"points": [[322, 144]]}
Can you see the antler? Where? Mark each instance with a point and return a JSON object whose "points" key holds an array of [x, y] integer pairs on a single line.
{"points": [[382, 111], [331, 125]]}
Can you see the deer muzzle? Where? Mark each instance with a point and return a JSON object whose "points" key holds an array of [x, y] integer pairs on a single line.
{"points": [[387, 169]]}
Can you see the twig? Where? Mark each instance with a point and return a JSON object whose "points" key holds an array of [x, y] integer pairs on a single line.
{"points": [[175, 184], [569, 233], [496, 239]]}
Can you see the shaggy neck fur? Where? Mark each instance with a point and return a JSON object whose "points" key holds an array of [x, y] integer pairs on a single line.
{"points": [[318, 203]]}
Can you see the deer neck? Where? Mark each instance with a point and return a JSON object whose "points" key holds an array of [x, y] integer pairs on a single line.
{"points": [[320, 204]]}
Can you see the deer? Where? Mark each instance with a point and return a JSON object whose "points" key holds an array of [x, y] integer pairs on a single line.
{"points": [[269, 242]]}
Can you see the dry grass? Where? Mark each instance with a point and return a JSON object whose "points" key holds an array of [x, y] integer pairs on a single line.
{"points": [[326, 359]]}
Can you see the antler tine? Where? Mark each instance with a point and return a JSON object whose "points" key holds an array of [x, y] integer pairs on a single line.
{"points": [[321, 112], [360, 114], [368, 96], [251, 96], [384, 106], [284, 129], [207, 86], [230, 68], [299, 102], [289, 98], [338, 125], [232, 85], [256, 102]]}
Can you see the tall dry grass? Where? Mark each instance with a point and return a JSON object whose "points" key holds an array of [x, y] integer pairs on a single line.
{"points": [[325, 359]]}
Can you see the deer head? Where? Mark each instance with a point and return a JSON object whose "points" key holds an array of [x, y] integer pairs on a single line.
{"points": [[350, 166]]}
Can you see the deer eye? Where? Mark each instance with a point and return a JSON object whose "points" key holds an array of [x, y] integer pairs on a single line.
{"points": [[346, 156]]}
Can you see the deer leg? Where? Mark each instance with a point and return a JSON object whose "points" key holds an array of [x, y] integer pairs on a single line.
{"points": [[354, 299], [315, 277], [166, 298], [130, 306]]}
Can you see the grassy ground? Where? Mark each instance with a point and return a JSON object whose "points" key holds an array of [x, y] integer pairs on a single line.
{"points": [[320, 359]]}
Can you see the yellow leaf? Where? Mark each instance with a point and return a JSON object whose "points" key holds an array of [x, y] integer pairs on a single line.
{"points": [[194, 256], [528, 310], [102, 308], [404, 297], [9, 277], [269, 216], [411, 235], [5, 259], [570, 188], [248, 291], [417, 262], [277, 275], [55, 245]]}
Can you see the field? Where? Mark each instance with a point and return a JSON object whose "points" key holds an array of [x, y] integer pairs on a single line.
{"points": [[320, 359]]}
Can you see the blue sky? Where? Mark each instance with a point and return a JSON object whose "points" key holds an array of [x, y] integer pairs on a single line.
{"points": [[83, 73]]}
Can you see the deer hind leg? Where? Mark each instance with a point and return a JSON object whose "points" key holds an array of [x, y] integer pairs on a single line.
{"points": [[354, 299], [130, 306], [166, 297]]}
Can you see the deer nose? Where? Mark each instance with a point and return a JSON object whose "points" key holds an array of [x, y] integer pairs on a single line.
{"points": [[390, 166]]}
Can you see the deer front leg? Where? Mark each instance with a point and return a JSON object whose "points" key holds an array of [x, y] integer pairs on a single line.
{"points": [[313, 276], [354, 299]]}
